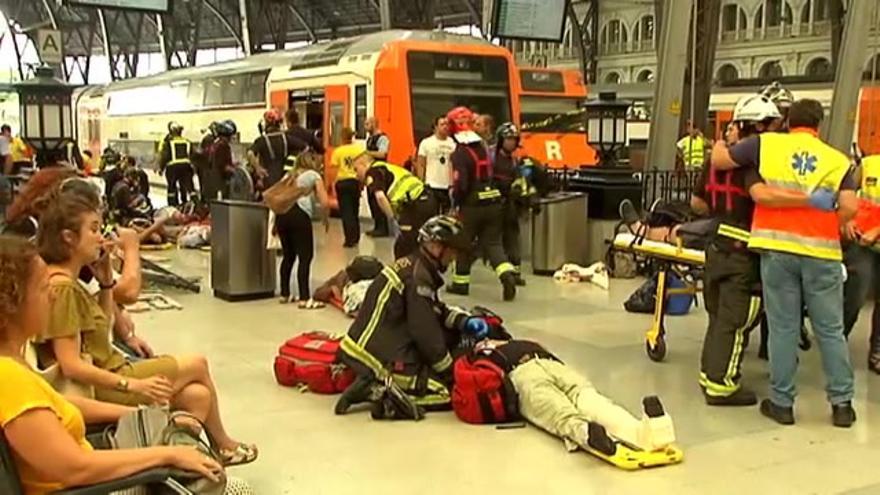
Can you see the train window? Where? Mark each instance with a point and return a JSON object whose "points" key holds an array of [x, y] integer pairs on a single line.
{"points": [[195, 94], [440, 81], [360, 110], [213, 92], [234, 89], [337, 121], [256, 88]]}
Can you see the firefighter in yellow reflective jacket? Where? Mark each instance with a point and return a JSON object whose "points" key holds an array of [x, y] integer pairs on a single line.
{"points": [[175, 161], [401, 196], [403, 331]]}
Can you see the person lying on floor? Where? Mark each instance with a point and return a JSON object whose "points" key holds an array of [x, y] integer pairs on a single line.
{"points": [[563, 402]]}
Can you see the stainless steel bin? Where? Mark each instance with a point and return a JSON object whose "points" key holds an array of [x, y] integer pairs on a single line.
{"points": [[559, 232], [241, 266]]}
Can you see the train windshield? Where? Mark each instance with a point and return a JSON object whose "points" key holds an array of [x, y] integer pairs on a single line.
{"points": [[442, 81], [552, 114]]}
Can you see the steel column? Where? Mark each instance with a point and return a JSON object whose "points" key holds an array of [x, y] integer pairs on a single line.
{"points": [[385, 14], [247, 45], [668, 88], [837, 129]]}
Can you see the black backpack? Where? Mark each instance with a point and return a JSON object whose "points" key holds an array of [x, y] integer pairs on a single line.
{"points": [[644, 298], [669, 213]]}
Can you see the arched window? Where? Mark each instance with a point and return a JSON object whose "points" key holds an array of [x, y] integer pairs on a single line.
{"points": [[770, 70], [645, 76], [872, 71], [819, 67], [733, 18], [644, 35], [727, 72], [778, 12], [820, 10], [614, 36], [612, 78]]}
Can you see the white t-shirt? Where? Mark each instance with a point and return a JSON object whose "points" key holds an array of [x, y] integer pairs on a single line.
{"points": [[437, 164]]}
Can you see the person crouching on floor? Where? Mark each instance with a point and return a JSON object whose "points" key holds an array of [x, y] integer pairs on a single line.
{"points": [[558, 399], [403, 330]]}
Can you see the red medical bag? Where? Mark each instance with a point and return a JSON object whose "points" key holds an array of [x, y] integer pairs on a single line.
{"points": [[310, 359]]}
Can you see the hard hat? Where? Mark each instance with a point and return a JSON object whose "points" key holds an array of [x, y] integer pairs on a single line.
{"points": [[443, 229], [777, 94], [460, 119], [224, 128], [506, 130], [273, 117], [755, 108], [175, 127]]}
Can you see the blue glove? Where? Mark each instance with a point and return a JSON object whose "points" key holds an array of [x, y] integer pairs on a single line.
{"points": [[477, 326], [526, 171], [823, 199]]}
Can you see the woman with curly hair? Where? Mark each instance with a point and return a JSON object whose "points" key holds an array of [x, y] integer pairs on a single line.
{"points": [[46, 432], [70, 239]]}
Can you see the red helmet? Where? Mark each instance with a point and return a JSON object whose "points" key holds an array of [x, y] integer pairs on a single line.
{"points": [[273, 117], [460, 119]]}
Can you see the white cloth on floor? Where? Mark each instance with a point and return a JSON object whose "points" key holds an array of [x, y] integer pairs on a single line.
{"points": [[353, 296]]}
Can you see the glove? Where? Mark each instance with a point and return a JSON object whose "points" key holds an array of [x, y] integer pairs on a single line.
{"points": [[477, 326], [393, 228], [823, 199]]}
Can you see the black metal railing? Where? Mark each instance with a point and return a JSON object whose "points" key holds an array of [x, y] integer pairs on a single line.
{"points": [[668, 185]]}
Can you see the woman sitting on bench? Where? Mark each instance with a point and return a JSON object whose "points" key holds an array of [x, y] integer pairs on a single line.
{"points": [[46, 432]]}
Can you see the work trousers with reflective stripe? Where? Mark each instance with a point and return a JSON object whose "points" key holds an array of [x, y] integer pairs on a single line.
{"points": [[413, 215], [561, 401], [482, 227], [424, 389], [179, 177], [731, 292], [510, 234]]}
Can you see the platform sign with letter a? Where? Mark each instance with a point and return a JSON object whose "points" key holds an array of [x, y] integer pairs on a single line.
{"points": [[49, 46]]}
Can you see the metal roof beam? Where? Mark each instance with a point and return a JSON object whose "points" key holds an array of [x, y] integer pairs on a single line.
{"points": [[225, 22], [302, 20]]}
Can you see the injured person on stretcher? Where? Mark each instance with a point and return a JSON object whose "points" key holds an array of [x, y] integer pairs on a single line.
{"points": [[564, 403]]}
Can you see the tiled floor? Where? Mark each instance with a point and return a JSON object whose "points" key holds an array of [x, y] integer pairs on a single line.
{"points": [[307, 450]]}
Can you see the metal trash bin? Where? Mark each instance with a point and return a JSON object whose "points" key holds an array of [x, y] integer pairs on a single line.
{"points": [[241, 266], [559, 232]]}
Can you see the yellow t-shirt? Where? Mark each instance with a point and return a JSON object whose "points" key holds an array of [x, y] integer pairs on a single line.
{"points": [[19, 150], [74, 312], [343, 159], [22, 391]]}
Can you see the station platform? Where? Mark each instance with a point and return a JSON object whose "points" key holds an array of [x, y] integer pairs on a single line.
{"points": [[306, 449]]}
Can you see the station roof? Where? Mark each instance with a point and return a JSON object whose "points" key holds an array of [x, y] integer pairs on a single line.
{"points": [[218, 23]]}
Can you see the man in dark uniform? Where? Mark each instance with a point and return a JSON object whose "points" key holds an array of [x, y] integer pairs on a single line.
{"points": [[403, 331], [295, 130], [514, 189], [479, 203], [377, 147], [732, 279], [274, 148], [175, 162], [401, 198]]}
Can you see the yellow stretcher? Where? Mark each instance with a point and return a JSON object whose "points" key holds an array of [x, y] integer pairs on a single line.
{"points": [[630, 459], [670, 258]]}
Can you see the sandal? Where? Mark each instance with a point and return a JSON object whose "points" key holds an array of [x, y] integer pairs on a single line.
{"points": [[311, 304], [240, 455]]}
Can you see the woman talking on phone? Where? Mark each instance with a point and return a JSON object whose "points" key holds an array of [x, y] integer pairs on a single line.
{"points": [[77, 336]]}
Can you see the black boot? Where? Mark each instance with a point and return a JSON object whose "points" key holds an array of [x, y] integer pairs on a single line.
{"points": [[361, 390], [508, 281], [598, 439], [460, 289], [782, 415], [742, 397], [843, 415]]}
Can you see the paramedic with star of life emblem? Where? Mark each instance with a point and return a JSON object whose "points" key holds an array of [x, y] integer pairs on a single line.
{"points": [[801, 254]]}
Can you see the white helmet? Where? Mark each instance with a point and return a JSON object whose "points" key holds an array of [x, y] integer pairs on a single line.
{"points": [[776, 93], [755, 108]]}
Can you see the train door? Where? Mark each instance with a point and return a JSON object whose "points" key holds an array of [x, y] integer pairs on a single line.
{"points": [[337, 108]]}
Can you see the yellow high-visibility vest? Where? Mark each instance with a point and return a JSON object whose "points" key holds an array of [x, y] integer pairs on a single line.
{"points": [[693, 150], [799, 161], [405, 187], [180, 150]]}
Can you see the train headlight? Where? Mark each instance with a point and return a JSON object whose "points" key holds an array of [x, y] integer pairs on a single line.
{"points": [[46, 116]]}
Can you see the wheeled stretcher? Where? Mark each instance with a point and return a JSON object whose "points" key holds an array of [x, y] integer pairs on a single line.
{"points": [[685, 263]]}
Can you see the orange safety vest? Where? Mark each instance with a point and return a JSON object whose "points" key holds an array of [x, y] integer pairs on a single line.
{"points": [[799, 161]]}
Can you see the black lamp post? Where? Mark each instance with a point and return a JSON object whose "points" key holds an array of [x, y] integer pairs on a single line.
{"points": [[606, 126], [46, 114]]}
